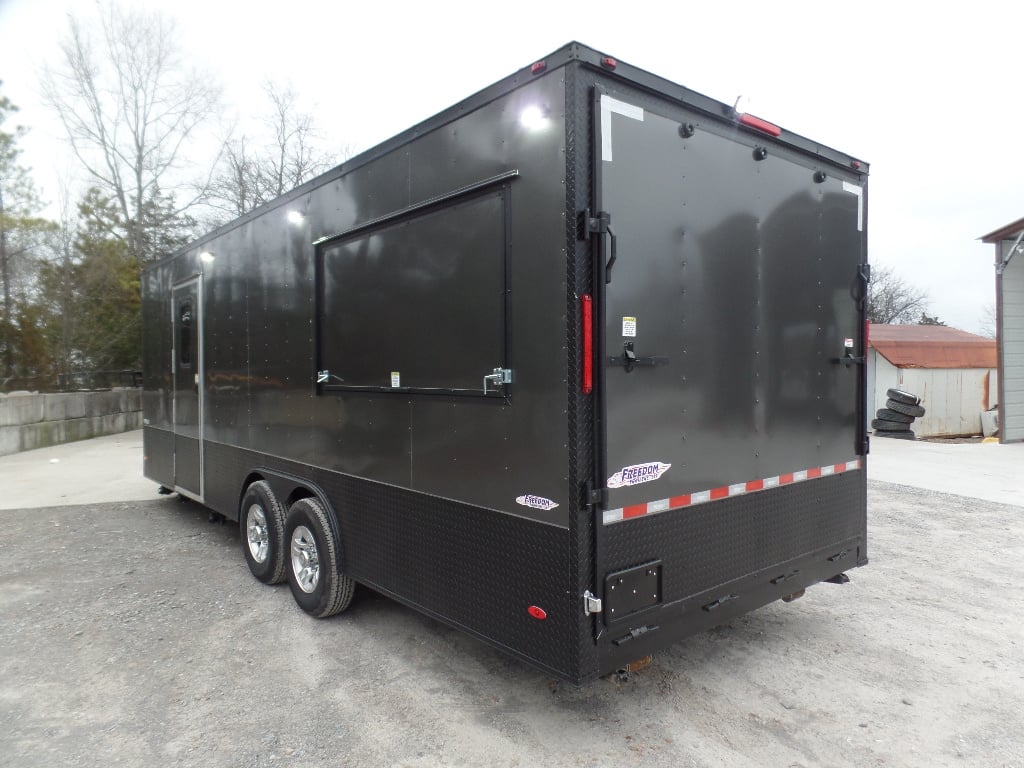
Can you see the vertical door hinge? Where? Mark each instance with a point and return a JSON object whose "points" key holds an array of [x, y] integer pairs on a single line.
{"points": [[592, 495], [591, 604], [591, 224]]}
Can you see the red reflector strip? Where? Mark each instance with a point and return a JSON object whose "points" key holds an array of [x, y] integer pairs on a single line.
{"points": [[609, 62], [760, 125], [587, 377], [634, 511], [539, 66], [737, 489]]}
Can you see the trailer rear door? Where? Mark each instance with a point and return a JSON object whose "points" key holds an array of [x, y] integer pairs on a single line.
{"points": [[731, 312]]}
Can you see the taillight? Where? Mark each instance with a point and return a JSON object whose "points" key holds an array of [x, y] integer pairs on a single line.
{"points": [[587, 378]]}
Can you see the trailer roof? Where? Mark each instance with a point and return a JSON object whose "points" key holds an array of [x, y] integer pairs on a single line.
{"points": [[567, 54]]}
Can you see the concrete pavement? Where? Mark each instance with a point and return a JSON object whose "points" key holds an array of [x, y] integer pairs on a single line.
{"points": [[85, 472], [988, 471]]}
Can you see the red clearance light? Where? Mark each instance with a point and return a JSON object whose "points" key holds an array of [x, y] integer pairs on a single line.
{"points": [[539, 66], [609, 62], [760, 125], [538, 613], [587, 378]]}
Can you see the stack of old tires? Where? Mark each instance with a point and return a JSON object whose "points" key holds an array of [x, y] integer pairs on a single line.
{"points": [[899, 413]]}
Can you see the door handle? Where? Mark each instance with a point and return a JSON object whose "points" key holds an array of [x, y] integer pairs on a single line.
{"points": [[847, 360], [629, 360], [613, 243]]}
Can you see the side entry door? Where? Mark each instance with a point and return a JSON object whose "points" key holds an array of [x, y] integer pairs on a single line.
{"points": [[187, 367]]}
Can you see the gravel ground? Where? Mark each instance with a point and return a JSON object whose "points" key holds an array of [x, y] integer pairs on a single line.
{"points": [[133, 634]]}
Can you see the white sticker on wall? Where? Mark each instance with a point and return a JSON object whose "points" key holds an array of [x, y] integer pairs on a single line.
{"points": [[638, 473], [609, 106], [629, 326], [848, 343], [396, 379], [536, 502], [853, 189]]}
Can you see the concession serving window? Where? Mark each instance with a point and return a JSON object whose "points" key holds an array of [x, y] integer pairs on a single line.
{"points": [[416, 301]]}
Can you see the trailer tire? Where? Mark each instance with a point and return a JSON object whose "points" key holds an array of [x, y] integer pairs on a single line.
{"points": [[902, 396], [261, 529], [884, 425], [904, 434], [909, 410], [318, 585], [890, 415]]}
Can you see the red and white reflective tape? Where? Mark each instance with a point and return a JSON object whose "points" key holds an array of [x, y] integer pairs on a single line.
{"points": [[726, 491]]}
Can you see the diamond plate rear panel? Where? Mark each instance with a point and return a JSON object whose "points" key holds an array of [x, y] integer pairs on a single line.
{"points": [[724, 559], [713, 544]]}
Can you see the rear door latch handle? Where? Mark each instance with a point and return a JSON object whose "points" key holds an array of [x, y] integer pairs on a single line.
{"points": [[629, 360]]}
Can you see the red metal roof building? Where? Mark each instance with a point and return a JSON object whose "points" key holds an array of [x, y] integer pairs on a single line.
{"points": [[932, 346], [954, 373]]}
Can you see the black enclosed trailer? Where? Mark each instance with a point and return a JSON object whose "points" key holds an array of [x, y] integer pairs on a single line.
{"points": [[574, 366]]}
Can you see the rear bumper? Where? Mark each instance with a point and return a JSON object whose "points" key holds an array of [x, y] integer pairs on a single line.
{"points": [[655, 629]]}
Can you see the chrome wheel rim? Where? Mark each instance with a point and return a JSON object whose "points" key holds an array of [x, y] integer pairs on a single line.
{"points": [[257, 534], [305, 559]]}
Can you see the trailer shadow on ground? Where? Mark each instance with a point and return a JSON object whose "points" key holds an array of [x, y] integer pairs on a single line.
{"points": [[134, 634]]}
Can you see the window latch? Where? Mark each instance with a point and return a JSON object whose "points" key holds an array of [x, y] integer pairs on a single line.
{"points": [[497, 377]]}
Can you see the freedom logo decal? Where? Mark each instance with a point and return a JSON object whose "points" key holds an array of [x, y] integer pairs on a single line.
{"points": [[536, 502], [638, 473]]}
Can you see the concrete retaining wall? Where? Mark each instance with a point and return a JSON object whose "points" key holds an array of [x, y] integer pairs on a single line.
{"points": [[32, 420]]}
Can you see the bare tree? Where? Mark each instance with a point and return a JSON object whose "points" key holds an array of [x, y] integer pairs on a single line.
{"points": [[987, 321], [132, 110], [253, 174], [892, 300]]}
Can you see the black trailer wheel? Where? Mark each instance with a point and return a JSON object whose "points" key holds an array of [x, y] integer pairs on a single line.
{"points": [[884, 425], [902, 396], [890, 415], [317, 585], [909, 410], [261, 524], [904, 434]]}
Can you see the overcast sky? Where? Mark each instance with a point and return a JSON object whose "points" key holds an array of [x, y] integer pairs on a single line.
{"points": [[929, 96]]}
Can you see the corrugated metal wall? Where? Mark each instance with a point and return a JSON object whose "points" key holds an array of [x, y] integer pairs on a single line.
{"points": [[953, 398], [1012, 349]]}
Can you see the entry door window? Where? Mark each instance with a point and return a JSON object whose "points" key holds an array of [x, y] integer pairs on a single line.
{"points": [[185, 318]]}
